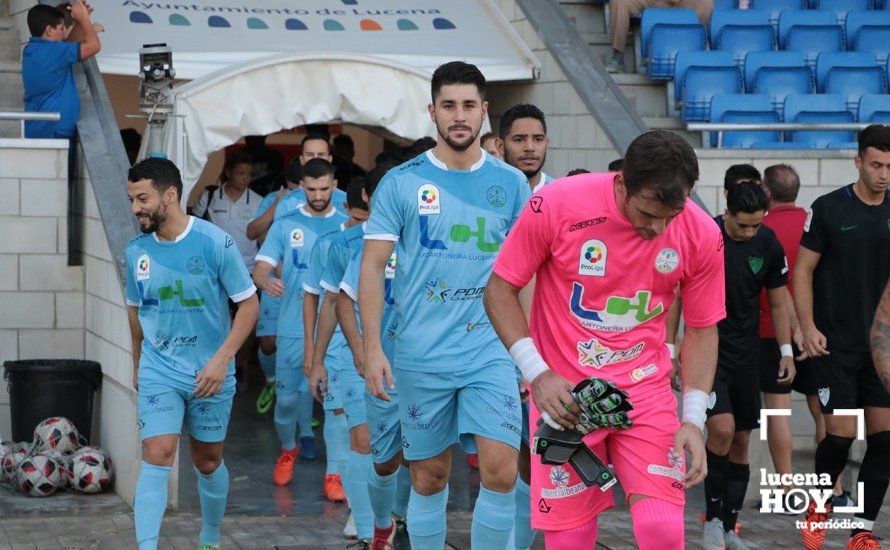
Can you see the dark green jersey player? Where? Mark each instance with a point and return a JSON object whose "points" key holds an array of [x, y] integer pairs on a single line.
{"points": [[841, 270]]}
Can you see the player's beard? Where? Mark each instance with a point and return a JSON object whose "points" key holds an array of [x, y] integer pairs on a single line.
{"points": [[459, 146], [155, 219], [319, 206], [529, 174]]}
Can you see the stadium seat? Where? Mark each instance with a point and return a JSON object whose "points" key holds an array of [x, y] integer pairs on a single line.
{"points": [[840, 7], [857, 20], [780, 145], [874, 108], [775, 7], [707, 62], [654, 16], [725, 4], [816, 108], [741, 31], [814, 32], [665, 42], [849, 74], [745, 109], [777, 75]]}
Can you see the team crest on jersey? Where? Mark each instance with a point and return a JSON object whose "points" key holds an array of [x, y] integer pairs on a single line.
{"points": [[296, 238], [667, 260], [143, 268], [592, 259], [593, 354], [390, 271], [428, 198], [756, 263]]}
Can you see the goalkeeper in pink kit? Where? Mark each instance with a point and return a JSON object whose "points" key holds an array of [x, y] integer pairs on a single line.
{"points": [[608, 253]]}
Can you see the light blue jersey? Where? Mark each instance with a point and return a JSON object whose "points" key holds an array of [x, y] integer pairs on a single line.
{"points": [[389, 321], [290, 241], [182, 288], [297, 198], [267, 201], [449, 226], [338, 349], [341, 250]]}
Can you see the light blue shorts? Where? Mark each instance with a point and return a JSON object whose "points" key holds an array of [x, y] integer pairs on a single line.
{"points": [[437, 410], [332, 400], [267, 324], [384, 426], [289, 377], [166, 401], [352, 395]]}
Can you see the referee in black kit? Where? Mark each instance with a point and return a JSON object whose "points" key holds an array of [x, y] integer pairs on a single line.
{"points": [[842, 267]]}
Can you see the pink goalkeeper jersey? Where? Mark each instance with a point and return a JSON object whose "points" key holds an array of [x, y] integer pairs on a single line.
{"points": [[602, 291]]}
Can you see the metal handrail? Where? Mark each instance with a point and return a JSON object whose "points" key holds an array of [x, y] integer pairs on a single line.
{"points": [[720, 127], [23, 115]]}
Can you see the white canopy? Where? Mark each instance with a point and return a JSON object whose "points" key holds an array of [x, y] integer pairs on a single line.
{"points": [[207, 35]]}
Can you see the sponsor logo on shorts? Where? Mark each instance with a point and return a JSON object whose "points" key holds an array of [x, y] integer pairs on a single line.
{"points": [[195, 265], [642, 372], [824, 396], [621, 313], [204, 408], [510, 403], [543, 507], [414, 412], [559, 477], [594, 354], [592, 258], [675, 459], [677, 485], [586, 223], [496, 196], [428, 199], [664, 471], [209, 428], [380, 427], [405, 443], [667, 260], [152, 399], [141, 423], [143, 268], [512, 427]]}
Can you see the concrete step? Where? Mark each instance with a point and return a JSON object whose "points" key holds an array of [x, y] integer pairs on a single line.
{"points": [[676, 126], [648, 96], [587, 17]]}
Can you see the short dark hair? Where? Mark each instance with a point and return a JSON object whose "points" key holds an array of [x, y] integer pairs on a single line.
{"points": [[875, 135], [66, 13], [388, 159], [457, 72], [162, 173], [577, 171], [372, 180], [514, 113], [419, 146], [740, 172], [42, 16], [354, 193], [233, 160], [616, 165], [782, 182], [747, 197], [662, 162], [318, 168], [487, 136], [315, 136], [294, 172], [344, 139]]}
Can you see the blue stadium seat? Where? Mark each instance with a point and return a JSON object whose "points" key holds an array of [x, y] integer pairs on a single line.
{"points": [[816, 108], [818, 20], [875, 40], [703, 64], [775, 7], [740, 32], [746, 109], [654, 16], [849, 74], [856, 20], [780, 145], [840, 7], [702, 80], [777, 75], [666, 41], [874, 108], [725, 4]]}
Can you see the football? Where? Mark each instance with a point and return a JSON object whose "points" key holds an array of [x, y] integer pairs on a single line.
{"points": [[90, 470], [56, 433], [64, 462], [38, 475], [16, 453]]}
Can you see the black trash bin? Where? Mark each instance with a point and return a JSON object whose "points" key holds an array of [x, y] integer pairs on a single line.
{"points": [[40, 388]]}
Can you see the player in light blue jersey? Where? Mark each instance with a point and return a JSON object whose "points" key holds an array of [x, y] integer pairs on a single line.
{"points": [[289, 243], [448, 210], [312, 146], [181, 273], [523, 130], [388, 483]]}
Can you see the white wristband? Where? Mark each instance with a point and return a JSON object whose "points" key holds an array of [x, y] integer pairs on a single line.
{"points": [[786, 351], [673, 349], [695, 406], [527, 358]]}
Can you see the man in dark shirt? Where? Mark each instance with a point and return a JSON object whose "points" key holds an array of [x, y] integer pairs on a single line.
{"points": [[754, 260], [842, 267]]}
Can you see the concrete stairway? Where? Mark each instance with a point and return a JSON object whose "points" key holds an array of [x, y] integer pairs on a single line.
{"points": [[11, 91], [649, 97]]}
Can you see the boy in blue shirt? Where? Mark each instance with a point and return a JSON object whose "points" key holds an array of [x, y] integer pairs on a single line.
{"points": [[447, 212], [46, 67], [181, 274]]}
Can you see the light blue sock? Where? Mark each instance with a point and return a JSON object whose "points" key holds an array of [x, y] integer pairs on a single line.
{"points": [[524, 536], [343, 436], [333, 444], [304, 414], [213, 489], [267, 363], [382, 490], [355, 485], [149, 504], [493, 519], [426, 520], [403, 493], [286, 418]]}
